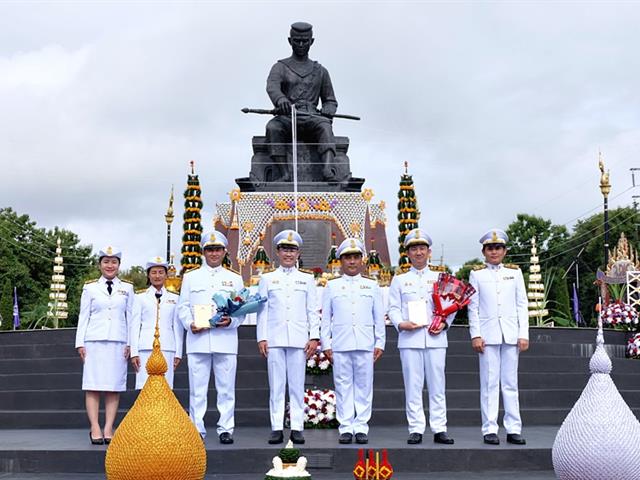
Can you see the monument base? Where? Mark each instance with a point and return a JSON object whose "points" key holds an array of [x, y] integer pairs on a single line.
{"points": [[251, 217]]}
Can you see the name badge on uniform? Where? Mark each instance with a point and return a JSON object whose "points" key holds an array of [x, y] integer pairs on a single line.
{"points": [[227, 283], [122, 292], [300, 282], [408, 284], [275, 282], [365, 287], [508, 278], [171, 301]]}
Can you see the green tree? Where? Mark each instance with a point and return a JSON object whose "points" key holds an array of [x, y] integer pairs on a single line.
{"points": [[524, 228], [464, 271], [26, 261], [136, 275], [6, 304]]}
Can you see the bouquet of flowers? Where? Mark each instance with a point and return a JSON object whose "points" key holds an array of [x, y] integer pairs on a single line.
{"points": [[318, 364], [620, 313], [320, 409], [235, 304], [453, 290], [633, 346]]}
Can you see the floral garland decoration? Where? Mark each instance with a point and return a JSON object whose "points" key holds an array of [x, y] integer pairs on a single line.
{"points": [[620, 313], [633, 346], [320, 409]]}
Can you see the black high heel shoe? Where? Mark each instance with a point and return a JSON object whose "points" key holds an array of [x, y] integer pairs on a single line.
{"points": [[96, 441], [107, 440]]}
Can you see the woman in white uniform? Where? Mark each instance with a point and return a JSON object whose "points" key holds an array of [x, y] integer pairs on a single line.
{"points": [[102, 342], [151, 303]]}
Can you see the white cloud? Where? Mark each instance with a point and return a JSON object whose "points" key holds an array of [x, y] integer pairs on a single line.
{"points": [[499, 108]]}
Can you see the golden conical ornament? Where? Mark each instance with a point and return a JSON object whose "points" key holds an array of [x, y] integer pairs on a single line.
{"points": [[156, 440]]}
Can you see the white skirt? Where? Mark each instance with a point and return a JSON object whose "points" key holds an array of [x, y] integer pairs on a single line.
{"points": [[105, 368], [141, 376]]}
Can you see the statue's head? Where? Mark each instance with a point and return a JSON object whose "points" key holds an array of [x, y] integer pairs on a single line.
{"points": [[301, 38]]}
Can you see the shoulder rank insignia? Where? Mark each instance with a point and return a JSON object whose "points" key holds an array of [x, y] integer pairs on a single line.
{"points": [[304, 270], [91, 281], [437, 268], [126, 281], [479, 267], [232, 270], [140, 290], [512, 266]]}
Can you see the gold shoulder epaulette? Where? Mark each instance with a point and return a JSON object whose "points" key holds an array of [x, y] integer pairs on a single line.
{"points": [[304, 270], [437, 268], [127, 281], [141, 290], [368, 277], [335, 278], [512, 266], [91, 281], [478, 267]]}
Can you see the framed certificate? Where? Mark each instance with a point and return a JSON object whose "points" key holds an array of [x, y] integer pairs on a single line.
{"points": [[202, 315], [418, 312]]}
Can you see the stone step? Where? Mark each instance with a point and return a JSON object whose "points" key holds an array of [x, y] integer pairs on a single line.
{"points": [[249, 347], [389, 362], [382, 379], [68, 451], [259, 416], [29, 400]]}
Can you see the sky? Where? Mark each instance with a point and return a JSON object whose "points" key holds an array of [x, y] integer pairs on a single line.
{"points": [[499, 107]]}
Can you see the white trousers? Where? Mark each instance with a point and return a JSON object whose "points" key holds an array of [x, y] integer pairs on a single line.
{"points": [[353, 379], [224, 370], [499, 370], [286, 366], [418, 363], [141, 376]]}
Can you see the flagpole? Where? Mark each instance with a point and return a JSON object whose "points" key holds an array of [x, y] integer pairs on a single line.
{"points": [[294, 154]]}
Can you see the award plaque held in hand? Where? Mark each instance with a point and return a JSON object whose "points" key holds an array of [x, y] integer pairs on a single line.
{"points": [[202, 315], [417, 310]]}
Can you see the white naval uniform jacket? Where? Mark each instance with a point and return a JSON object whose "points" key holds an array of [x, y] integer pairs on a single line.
{"points": [[352, 315], [498, 312], [198, 287], [290, 317], [410, 286], [103, 316], [143, 324]]}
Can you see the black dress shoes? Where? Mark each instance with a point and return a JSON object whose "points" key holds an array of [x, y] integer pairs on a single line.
{"points": [[443, 438], [516, 439], [276, 437], [345, 438], [491, 439], [414, 438], [107, 440], [362, 438], [96, 441], [226, 438], [296, 437]]}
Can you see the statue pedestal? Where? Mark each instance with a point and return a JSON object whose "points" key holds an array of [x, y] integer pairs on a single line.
{"points": [[264, 173], [252, 215]]}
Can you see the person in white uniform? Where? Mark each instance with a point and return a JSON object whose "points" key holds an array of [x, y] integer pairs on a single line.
{"points": [[209, 348], [151, 304], [102, 341], [288, 330], [422, 354], [353, 338], [499, 329]]}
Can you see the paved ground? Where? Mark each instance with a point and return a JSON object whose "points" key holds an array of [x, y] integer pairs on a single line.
{"points": [[316, 476]]}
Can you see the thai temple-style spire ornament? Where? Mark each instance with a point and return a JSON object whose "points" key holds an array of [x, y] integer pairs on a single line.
{"points": [[408, 215], [599, 437], [58, 296], [156, 439], [192, 223], [535, 289]]}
